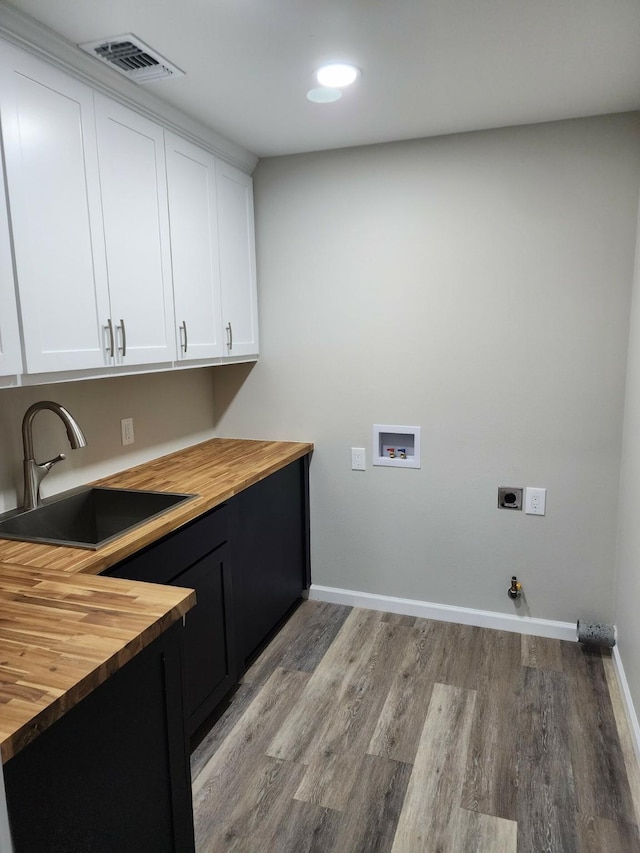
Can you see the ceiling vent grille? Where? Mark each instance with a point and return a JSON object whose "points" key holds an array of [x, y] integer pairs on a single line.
{"points": [[133, 58]]}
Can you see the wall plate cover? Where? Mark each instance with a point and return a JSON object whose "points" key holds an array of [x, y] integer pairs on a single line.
{"points": [[535, 501], [126, 431], [358, 459]]}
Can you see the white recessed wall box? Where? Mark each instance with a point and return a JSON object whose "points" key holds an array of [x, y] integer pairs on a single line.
{"points": [[396, 446]]}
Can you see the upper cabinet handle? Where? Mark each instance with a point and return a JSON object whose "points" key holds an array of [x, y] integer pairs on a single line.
{"points": [[183, 325], [109, 328], [123, 348], [229, 336]]}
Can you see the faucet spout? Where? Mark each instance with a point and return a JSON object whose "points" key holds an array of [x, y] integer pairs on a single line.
{"points": [[33, 471]]}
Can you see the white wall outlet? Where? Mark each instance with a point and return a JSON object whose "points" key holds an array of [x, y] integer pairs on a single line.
{"points": [[535, 501], [358, 459], [126, 430]]}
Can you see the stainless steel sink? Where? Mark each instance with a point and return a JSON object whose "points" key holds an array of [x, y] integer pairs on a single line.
{"points": [[89, 518]]}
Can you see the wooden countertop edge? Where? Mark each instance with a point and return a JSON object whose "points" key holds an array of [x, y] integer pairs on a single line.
{"points": [[95, 562], [47, 716]]}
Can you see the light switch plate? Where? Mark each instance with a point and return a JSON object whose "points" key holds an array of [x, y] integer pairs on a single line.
{"points": [[535, 501], [126, 431]]}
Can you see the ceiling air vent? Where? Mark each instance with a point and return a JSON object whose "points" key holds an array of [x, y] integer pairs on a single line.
{"points": [[133, 58]]}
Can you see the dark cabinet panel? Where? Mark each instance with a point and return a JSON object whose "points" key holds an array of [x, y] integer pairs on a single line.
{"points": [[210, 669], [164, 560], [197, 557], [270, 553], [248, 561], [113, 772]]}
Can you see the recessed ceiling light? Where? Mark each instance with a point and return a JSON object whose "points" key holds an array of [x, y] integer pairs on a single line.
{"points": [[324, 95], [337, 74]]}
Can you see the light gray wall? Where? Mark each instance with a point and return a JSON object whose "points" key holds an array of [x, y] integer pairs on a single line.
{"points": [[628, 562], [477, 285], [170, 411]]}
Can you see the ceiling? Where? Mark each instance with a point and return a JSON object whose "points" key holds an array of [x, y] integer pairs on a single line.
{"points": [[429, 67]]}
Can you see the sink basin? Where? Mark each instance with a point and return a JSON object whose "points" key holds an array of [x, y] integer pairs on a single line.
{"points": [[89, 518]]}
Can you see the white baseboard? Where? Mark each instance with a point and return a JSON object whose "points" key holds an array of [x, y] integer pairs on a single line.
{"points": [[632, 717], [445, 612]]}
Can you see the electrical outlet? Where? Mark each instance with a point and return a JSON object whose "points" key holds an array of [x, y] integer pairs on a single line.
{"points": [[126, 430], [535, 501], [357, 459]]}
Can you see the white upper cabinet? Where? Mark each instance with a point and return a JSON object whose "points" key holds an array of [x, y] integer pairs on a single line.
{"points": [[237, 261], [193, 219], [54, 200], [136, 232], [10, 356], [131, 246]]}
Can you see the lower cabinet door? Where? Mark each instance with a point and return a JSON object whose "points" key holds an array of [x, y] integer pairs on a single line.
{"points": [[112, 774], [197, 557], [270, 556], [210, 672]]}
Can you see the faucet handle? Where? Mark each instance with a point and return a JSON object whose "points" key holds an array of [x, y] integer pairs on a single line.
{"points": [[49, 465]]}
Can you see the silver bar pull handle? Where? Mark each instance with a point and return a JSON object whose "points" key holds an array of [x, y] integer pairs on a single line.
{"points": [[123, 348], [111, 348], [183, 327], [229, 336]]}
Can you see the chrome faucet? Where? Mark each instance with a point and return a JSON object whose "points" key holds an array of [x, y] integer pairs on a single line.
{"points": [[35, 472]]}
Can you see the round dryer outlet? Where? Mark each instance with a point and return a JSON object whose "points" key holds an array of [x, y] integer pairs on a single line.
{"points": [[510, 497]]}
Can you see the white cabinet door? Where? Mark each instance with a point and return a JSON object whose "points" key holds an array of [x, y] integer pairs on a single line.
{"points": [[136, 231], [10, 355], [237, 260], [54, 200], [193, 221]]}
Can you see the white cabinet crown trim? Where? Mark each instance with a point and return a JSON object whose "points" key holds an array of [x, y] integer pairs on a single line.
{"points": [[34, 37]]}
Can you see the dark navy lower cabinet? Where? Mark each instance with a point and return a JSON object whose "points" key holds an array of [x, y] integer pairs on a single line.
{"points": [[112, 774], [248, 561], [197, 557], [270, 554]]}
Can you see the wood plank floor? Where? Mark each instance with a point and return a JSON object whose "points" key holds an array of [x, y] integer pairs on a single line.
{"points": [[360, 731]]}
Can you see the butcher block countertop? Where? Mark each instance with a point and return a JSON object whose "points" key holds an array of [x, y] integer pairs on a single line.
{"points": [[64, 631], [214, 470], [63, 635]]}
